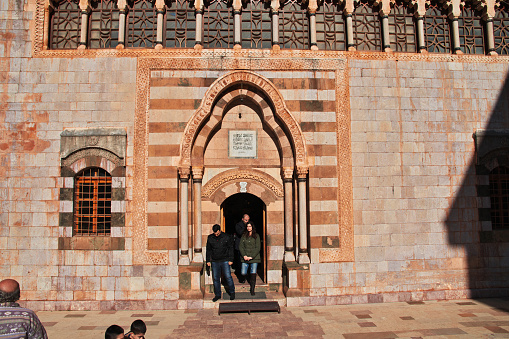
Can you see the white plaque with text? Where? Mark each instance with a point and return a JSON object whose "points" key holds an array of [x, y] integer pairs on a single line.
{"points": [[242, 144]]}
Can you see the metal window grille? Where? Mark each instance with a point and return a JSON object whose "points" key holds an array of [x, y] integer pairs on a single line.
{"points": [[501, 29], [256, 25], [330, 27], [499, 196], [294, 25], [180, 27], [92, 203], [402, 33], [142, 24], [65, 25], [366, 27], [218, 25], [471, 31], [103, 24], [436, 30]]}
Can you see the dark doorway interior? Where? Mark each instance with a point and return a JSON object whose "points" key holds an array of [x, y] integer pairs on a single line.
{"points": [[234, 207]]}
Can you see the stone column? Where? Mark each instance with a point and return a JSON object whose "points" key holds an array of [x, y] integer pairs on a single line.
{"points": [[274, 7], [288, 186], [490, 35], [303, 224], [384, 14], [421, 44], [198, 6], [184, 213], [454, 13], [48, 9], [312, 7], [85, 9], [197, 180], [349, 8], [122, 7], [420, 11], [160, 24], [237, 37]]}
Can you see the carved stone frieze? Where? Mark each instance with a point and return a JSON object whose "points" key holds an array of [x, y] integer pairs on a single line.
{"points": [[236, 175]]}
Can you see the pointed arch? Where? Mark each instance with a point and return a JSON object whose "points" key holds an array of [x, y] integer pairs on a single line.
{"points": [[210, 101]]}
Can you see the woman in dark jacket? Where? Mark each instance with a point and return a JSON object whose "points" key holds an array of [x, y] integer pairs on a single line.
{"points": [[249, 248]]}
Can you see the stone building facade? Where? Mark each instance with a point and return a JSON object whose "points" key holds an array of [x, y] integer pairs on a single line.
{"points": [[374, 169]]}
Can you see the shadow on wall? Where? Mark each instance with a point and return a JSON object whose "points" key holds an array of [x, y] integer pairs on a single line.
{"points": [[469, 223]]}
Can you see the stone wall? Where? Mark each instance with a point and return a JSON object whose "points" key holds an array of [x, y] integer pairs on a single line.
{"points": [[406, 120]]}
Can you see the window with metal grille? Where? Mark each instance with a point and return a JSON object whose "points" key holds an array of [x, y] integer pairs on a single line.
{"points": [[402, 28], [294, 25], [330, 27], [471, 31], [501, 29], [92, 202], [103, 24], [141, 24], [65, 25], [180, 27], [366, 27], [218, 25], [499, 196], [436, 30], [256, 25]]}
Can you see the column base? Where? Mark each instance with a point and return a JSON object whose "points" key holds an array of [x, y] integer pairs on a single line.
{"points": [[191, 281], [198, 258], [303, 258], [289, 257], [296, 279], [184, 260]]}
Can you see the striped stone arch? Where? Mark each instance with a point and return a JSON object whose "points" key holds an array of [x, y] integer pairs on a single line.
{"points": [[216, 101]]}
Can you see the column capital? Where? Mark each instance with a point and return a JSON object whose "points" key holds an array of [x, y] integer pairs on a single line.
{"points": [[312, 6], [490, 8], [349, 7], [197, 173], [302, 172], [159, 5], [275, 5], [198, 5], [237, 5], [184, 172], [287, 173], [122, 5], [385, 8], [420, 7], [84, 5], [453, 6]]}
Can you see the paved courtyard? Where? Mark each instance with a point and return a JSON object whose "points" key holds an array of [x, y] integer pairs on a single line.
{"points": [[486, 318]]}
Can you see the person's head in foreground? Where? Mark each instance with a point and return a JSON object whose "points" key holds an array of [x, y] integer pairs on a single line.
{"points": [[138, 330], [114, 332]]}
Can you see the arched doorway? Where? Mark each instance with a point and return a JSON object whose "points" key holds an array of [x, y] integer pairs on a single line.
{"points": [[232, 210]]}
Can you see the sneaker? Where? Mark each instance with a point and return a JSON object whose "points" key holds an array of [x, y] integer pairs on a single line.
{"points": [[216, 298], [232, 296]]}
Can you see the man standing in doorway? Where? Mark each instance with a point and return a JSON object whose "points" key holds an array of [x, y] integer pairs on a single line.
{"points": [[220, 257], [240, 228]]}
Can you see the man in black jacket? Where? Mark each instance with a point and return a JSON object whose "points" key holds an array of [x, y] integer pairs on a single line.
{"points": [[220, 258]]}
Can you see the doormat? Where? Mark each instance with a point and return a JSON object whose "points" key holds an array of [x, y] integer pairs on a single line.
{"points": [[247, 295]]}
